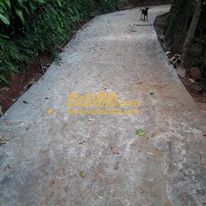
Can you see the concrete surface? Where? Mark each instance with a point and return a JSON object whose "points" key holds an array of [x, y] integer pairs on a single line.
{"points": [[66, 160]]}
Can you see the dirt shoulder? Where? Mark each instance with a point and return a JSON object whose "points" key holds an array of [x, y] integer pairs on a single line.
{"points": [[194, 87]]}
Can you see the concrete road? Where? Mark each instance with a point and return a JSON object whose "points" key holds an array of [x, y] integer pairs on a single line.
{"points": [[55, 158]]}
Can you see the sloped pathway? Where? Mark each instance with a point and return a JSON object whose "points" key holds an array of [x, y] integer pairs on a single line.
{"points": [[58, 159]]}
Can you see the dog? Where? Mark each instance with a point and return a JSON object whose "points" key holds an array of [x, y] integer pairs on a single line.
{"points": [[144, 14]]}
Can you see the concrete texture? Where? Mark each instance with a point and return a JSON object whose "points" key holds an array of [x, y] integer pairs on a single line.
{"points": [[66, 160]]}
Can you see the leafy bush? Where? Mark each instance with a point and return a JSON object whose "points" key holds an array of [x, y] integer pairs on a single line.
{"points": [[108, 5], [29, 28]]}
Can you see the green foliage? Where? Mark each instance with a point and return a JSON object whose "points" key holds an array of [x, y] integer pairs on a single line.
{"points": [[29, 28], [108, 5]]}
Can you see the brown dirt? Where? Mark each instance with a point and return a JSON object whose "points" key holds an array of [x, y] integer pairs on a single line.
{"points": [[19, 83], [198, 96]]}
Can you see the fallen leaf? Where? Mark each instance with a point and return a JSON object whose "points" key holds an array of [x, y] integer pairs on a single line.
{"points": [[140, 132], [115, 150], [82, 142], [82, 174], [51, 111], [8, 166], [3, 140]]}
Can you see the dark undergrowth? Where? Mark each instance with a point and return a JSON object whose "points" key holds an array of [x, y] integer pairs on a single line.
{"points": [[31, 28]]}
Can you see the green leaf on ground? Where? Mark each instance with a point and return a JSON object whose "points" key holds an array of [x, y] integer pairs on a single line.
{"points": [[82, 174], [140, 132]]}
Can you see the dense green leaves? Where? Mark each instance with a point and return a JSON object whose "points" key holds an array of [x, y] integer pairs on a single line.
{"points": [[4, 19], [30, 27]]}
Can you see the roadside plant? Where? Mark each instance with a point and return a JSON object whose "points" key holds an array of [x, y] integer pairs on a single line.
{"points": [[30, 27]]}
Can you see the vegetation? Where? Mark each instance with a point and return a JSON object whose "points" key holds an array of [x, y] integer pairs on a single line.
{"points": [[186, 31], [29, 28], [191, 33], [148, 2], [178, 21], [183, 31]]}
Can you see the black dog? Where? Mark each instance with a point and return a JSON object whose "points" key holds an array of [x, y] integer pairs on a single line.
{"points": [[144, 14]]}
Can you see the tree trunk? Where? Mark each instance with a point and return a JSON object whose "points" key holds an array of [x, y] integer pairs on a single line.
{"points": [[194, 23], [178, 21], [186, 51]]}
